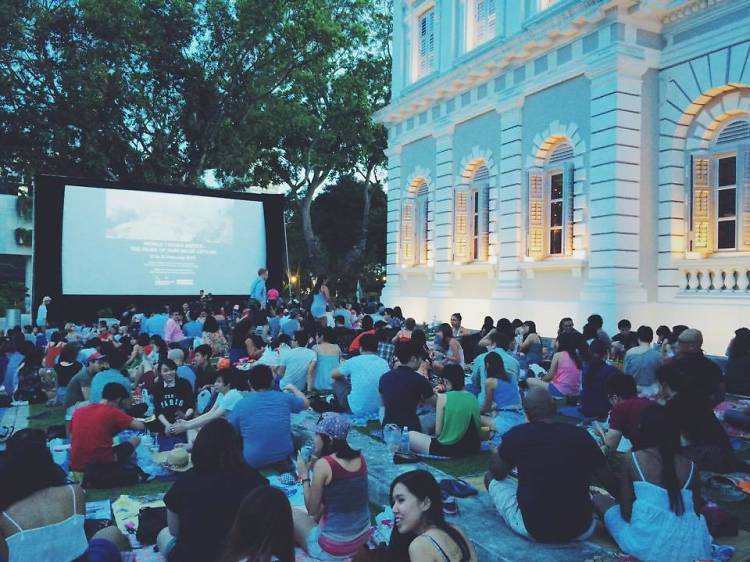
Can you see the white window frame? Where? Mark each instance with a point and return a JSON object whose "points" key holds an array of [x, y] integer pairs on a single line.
{"points": [[477, 192], [549, 201], [424, 61], [422, 225], [480, 28], [739, 148]]}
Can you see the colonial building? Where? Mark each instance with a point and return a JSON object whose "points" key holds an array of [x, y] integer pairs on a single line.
{"points": [[553, 158]]}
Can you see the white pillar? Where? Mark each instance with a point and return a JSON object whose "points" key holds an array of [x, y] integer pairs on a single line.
{"points": [[391, 291], [443, 236]]}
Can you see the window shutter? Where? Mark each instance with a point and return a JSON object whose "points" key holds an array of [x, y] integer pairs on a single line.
{"points": [[701, 224], [484, 222], [535, 219], [743, 184], [422, 227], [461, 225], [568, 194], [408, 254]]}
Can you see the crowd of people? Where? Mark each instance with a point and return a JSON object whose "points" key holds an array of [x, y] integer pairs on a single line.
{"points": [[221, 382]]}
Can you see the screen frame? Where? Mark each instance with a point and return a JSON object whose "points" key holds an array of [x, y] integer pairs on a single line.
{"points": [[49, 203]]}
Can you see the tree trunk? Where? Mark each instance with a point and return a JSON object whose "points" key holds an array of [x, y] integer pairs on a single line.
{"points": [[360, 245], [315, 253]]}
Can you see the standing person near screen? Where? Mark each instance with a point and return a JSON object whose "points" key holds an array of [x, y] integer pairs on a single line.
{"points": [[41, 313], [258, 288]]}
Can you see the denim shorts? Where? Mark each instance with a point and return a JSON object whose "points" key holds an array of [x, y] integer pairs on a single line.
{"points": [[316, 551]]}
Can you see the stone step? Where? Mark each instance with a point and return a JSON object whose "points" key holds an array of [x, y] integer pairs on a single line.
{"points": [[492, 539]]}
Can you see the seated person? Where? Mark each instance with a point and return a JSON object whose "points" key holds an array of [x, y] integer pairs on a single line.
{"points": [[564, 376], [295, 361], [421, 532], [228, 394], [109, 375], [183, 371], [203, 502], [205, 375], [659, 509], [327, 358], [93, 427], [79, 387], [501, 408], [457, 422], [596, 373], [550, 501], [402, 389], [642, 360], [627, 411], [336, 523], [356, 380], [704, 439], [42, 518], [263, 419], [404, 334], [173, 396]]}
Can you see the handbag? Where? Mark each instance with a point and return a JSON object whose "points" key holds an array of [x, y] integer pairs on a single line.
{"points": [[151, 520]]}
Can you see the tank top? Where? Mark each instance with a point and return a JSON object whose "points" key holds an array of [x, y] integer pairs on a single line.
{"points": [[461, 409], [345, 525], [567, 379], [63, 541], [506, 393], [324, 366]]}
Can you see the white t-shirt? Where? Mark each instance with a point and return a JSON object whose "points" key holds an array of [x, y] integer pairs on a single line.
{"points": [[296, 360], [228, 400], [365, 372]]}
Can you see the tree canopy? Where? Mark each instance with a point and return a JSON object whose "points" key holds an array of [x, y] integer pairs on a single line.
{"points": [[163, 91]]}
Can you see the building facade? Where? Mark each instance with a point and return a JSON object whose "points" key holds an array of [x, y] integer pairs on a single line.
{"points": [[15, 243], [553, 158]]}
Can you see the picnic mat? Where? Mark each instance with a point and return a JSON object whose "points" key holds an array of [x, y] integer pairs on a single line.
{"points": [[126, 509]]}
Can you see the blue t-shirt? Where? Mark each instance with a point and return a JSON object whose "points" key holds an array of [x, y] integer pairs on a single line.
{"points": [[263, 420], [155, 324], [192, 329], [102, 379], [289, 327], [594, 396], [512, 367], [364, 372], [186, 372]]}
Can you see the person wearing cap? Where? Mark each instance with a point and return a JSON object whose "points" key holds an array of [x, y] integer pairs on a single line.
{"points": [[110, 374], [79, 387], [337, 522], [41, 313]]}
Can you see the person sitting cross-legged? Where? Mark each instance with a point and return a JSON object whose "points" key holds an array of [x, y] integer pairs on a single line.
{"points": [[626, 414], [263, 419], [564, 376], [228, 385], [550, 501], [203, 502], [501, 406], [92, 429], [355, 381], [173, 396], [658, 518], [457, 422]]}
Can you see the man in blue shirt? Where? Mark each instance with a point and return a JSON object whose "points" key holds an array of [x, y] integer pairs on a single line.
{"points": [[103, 378], [263, 419], [258, 288], [193, 328]]}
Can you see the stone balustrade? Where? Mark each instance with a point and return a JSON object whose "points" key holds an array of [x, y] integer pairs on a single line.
{"points": [[720, 277]]}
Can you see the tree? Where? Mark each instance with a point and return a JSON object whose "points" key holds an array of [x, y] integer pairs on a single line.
{"points": [[155, 90]]}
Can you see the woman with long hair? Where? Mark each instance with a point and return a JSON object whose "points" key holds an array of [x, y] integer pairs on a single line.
{"points": [[213, 336], [263, 529], [659, 509], [204, 500], [337, 522], [564, 376], [531, 346], [454, 353], [487, 326], [501, 409], [738, 367], [321, 299], [421, 533], [328, 358]]}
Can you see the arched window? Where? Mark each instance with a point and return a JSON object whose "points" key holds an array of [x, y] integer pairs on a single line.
{"points": [[720, 192], [415, 224], [550, 205], [471, 221]]}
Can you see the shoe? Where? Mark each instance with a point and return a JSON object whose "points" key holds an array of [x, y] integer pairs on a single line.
{"points": [[450, 504]]}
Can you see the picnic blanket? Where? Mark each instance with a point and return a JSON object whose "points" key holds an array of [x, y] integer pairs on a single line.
{"points": [[125, 510]]}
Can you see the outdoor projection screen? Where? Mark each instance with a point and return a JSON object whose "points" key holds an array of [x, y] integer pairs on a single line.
{"points": [[132, 242]]}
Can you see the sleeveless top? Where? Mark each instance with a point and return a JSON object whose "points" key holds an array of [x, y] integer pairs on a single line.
{"points": [[345, 525], [324, 366], [534, 353], [506, 393], [655, 533], [63, 541], [461, 409], [567, 379], [318, 307]]}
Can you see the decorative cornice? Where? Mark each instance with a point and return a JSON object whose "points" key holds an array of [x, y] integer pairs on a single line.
{"points": [[548, 34], [689, 8]]}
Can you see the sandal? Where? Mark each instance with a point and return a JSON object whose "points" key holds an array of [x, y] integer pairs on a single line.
{"points": [[457, 487], [721, 488]]}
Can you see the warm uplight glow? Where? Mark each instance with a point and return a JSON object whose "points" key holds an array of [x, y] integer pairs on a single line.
{"points": [[293, 279]]}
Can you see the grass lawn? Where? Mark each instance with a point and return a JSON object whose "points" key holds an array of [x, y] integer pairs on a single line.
{"points": [[42, 416]]}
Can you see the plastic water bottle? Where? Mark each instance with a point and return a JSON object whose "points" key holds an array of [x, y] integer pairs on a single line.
{"points": [[405, 440], [149, 402]]}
